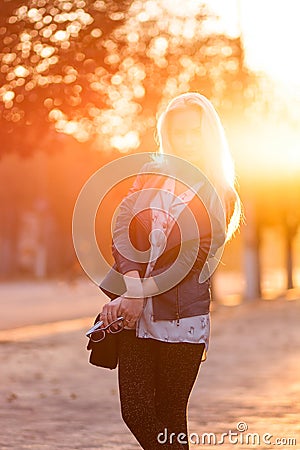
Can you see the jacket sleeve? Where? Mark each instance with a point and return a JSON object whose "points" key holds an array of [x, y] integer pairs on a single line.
{"points": [[120, 247]]}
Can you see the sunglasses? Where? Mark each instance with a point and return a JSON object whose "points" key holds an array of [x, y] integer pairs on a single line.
{"points": [[96, 333]]}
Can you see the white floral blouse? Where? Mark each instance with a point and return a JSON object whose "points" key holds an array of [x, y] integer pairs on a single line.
{"points": [[194, 329]]}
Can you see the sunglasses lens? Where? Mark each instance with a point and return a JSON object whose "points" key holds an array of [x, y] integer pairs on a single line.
{"points": [[116, 326], [97, 336]]}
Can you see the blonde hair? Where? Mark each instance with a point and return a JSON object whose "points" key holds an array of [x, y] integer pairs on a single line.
{"points": [[218, 165]]}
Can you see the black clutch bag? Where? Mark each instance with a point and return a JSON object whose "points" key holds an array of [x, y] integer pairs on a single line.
{"points": [[105, 352]]}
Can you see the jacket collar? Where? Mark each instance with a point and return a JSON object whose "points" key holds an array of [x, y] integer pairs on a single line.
{"points": [[144, 198]]}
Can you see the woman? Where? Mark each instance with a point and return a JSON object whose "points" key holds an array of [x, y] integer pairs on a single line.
{"points": [[167, 318]]}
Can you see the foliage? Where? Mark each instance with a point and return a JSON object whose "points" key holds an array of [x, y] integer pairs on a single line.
{"points": [[98, 71]]}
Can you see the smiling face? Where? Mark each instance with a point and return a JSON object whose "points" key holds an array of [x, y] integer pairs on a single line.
{"points": [[184, 132]]}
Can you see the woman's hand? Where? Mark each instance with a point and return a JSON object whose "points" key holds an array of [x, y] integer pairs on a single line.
{"points": [[133, 299], [129, 305], [110, 312], [129, 308]]}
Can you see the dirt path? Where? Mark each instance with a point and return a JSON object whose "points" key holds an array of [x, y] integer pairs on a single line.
{"points": [[52, 398], [30, 303]]}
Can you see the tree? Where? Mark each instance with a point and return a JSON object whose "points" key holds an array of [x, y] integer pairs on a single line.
{"points": [[49, 51], [97, 70], [90, 75]]}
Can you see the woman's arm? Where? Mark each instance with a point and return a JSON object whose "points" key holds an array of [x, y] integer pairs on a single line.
{"points": [[134, 286], [150, 287], [120, 249], [129, 305], [132, 301], [138, 289]]}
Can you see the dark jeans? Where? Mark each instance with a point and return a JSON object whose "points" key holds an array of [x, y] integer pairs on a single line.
{"points": [[155, 381]]}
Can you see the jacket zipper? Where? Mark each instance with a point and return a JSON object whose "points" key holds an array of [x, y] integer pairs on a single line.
{"points": [[177, 307]]}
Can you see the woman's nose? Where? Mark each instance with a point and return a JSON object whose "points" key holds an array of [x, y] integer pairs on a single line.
{"points": [[187, 139]]}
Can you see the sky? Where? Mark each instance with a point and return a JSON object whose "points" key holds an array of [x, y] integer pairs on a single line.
{"points": [[270, 31], [271, 35]]}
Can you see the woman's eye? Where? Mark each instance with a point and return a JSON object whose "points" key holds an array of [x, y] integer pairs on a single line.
{"points": [[196, 132]]}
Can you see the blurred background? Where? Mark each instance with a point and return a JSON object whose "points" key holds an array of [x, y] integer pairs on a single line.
{"points": [[82, 83]]}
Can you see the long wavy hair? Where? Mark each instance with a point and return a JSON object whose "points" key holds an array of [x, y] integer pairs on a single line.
{"points": [[218, 165]]}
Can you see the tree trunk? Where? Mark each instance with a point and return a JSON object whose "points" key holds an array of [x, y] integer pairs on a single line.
{"points": [[251, 254], [290, 229]]}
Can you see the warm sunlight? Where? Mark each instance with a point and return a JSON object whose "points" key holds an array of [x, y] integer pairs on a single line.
{"points": [[270, 35], [150, 147], [270, 31]]}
